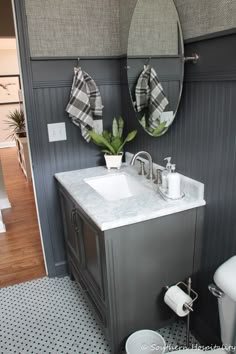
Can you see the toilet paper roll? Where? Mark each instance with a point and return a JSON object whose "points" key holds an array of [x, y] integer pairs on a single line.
{"points": [[175, 298]]}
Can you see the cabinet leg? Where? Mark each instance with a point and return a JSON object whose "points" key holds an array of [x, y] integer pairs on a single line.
{"points": [[71, 274], [72, 277]]}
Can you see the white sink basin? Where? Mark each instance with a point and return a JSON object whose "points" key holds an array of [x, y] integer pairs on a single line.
{"points": [[116, 186]]}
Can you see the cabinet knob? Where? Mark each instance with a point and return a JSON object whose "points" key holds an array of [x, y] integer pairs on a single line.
{"points": [[73, 221]]}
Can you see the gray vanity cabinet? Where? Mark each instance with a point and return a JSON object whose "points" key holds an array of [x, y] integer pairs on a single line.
{"points": [[85, 252], [125, 270]]}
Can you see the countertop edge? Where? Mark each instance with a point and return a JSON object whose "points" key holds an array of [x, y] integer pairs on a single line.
{"points": [[113, 225]]}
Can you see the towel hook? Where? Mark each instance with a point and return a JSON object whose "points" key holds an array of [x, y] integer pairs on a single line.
{"points": [[148, 60]]}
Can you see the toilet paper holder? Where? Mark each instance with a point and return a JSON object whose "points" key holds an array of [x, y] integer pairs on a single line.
{"points": [[187, 306], [190, 291]]}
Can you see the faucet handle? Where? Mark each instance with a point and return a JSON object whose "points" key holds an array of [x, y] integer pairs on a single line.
{"points": [[142, 171], [158, 179]]}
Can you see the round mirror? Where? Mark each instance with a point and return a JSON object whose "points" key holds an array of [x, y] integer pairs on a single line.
{"points": [[155, 64]]}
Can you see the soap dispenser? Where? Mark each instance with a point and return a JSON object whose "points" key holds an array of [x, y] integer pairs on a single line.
{"points": [[165, 173], [173, 181]]}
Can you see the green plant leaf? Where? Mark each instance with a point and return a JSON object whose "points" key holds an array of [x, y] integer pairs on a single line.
{"points": [[101, 141], [157, 131], [116, 143], [115, 131], [142, 121], [112, 143], [129, 137], [120, 126], [107, 135], [16, 121]]}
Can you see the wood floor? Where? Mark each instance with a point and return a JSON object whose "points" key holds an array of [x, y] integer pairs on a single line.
{"points": [[21, 256]]}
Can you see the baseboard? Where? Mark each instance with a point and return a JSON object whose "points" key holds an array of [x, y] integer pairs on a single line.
{"points": [[204, 334], [61, 269], [7, 144]]}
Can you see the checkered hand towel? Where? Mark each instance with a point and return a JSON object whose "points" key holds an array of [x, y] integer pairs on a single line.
{"points": [[149, 93], [85, 102]]}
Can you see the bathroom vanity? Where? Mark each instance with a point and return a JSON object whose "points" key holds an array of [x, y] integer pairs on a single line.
{"points": [[125, 246]]}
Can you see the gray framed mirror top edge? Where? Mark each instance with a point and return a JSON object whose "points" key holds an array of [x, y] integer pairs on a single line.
{"points": [[155, 64]]}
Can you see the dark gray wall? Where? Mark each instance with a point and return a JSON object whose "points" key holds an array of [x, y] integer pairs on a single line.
{"points": [[51, 86], [201, 141], [47, 85], [202, 144], [6, 19]]}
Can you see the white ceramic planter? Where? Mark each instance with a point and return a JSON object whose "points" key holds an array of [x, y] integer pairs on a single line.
{"points": [[113, 161]]}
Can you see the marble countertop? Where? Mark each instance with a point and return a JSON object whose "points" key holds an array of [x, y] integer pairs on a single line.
{"points": [[111, 214]]}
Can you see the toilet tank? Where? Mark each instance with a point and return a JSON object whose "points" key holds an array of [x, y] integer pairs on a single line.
{"points": [[225, 279]]}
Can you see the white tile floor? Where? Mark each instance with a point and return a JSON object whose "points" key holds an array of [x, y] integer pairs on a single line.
{"points": [[175, 336], [52, 316]]}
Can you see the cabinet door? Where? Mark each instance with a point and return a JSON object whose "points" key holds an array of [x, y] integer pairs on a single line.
{"points": [[70, 226], [93, 249]]}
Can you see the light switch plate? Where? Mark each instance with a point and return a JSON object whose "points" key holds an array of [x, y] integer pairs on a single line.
{"points": [[56, 132], [98, 126]]}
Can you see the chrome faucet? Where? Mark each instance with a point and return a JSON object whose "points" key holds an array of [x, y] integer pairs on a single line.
{"points": [[145, 153]]}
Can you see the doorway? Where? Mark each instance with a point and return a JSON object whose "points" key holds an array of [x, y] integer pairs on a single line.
{"points": [[21, 251]]}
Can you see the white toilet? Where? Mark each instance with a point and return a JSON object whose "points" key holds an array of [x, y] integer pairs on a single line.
{"points": [[225, 290]]}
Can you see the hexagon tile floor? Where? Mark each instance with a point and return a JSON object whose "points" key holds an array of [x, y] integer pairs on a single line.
{"points": [[50, 315]]}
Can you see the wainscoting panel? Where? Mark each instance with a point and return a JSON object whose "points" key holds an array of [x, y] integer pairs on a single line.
{"points": [[52, 83], [202, 143]]}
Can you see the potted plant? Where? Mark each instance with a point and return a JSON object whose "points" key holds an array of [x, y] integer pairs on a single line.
{"points": [[16, 122], [112, 143]]}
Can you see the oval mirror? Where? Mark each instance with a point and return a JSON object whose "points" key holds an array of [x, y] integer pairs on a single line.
{"points": [[155, 64]]}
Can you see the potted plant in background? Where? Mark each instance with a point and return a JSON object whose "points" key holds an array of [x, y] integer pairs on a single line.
{"points": [[16, 122], [113, 142]]}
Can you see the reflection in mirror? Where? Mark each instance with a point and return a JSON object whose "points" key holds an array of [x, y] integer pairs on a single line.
{"points": [[234, 340], [155, 64]]}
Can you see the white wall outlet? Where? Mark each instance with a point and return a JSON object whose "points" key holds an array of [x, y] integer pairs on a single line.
{"points": [[98, 126], [56, 132], [167, 117]]}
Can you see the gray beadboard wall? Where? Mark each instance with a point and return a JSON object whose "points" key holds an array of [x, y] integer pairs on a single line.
{"points": [[51, 84], [47, 84], [202, 142]]}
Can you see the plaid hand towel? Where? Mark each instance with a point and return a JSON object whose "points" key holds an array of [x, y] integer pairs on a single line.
{"points": [[85, 102], [149, 93]]}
